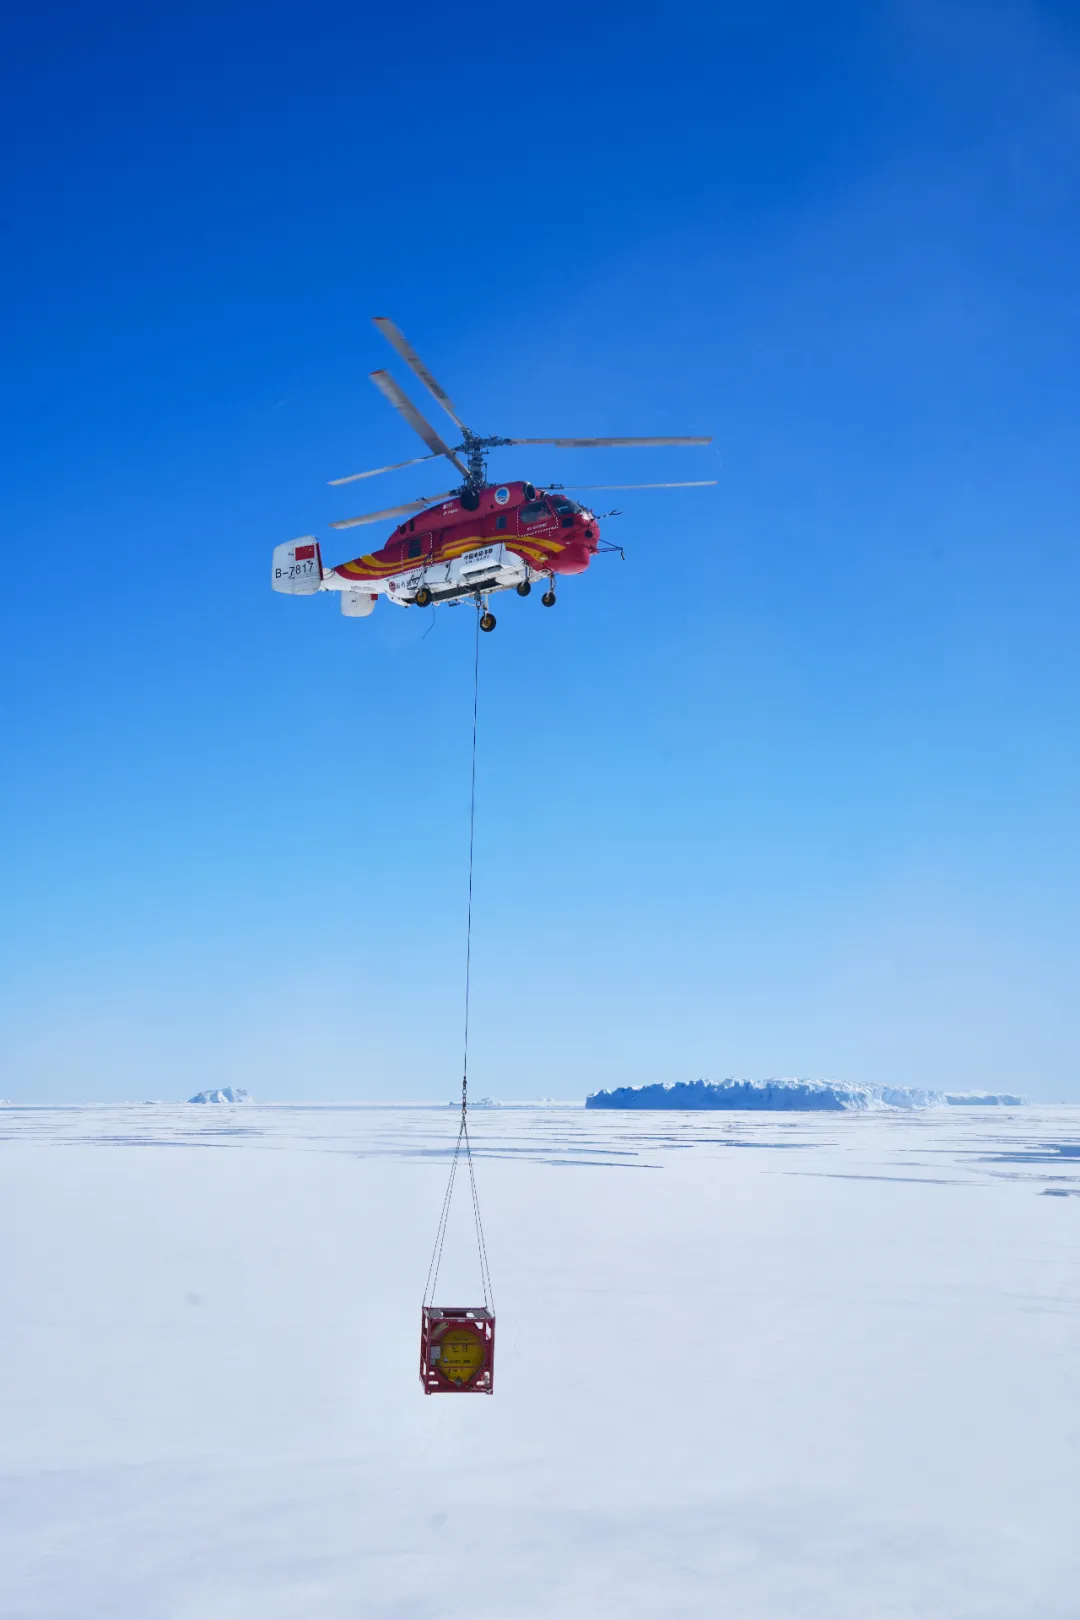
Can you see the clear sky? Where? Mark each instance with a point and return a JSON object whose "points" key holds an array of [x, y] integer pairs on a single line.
{"points": [[793, 790]]}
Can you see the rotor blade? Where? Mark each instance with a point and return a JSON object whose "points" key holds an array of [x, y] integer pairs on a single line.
{"points": [[393, 511], [588, 444], [400, 342], [333, 482], [693, 483], [401, 402]]}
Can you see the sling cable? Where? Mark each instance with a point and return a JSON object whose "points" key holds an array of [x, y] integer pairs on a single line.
{"points": [[457, 1342]]}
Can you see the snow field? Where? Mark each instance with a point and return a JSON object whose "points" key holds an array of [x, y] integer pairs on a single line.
{"points": [[745, 1367]]}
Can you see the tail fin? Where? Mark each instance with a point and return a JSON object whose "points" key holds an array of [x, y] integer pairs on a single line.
{"points": [[297, 567]]}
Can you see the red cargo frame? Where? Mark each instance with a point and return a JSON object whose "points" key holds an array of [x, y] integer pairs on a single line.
{"points": [[475, 1321]]}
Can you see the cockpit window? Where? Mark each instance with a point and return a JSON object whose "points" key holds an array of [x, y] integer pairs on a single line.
{"points": [[565, 506], [534, 512]]}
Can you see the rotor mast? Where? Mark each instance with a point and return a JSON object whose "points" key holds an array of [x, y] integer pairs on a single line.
{"points": [[475, 451]]}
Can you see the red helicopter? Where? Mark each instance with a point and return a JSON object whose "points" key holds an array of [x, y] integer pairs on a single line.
{"points": [[476, 539]]}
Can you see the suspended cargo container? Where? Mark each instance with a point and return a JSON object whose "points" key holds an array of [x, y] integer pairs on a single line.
{"points": [[457, 1350]]}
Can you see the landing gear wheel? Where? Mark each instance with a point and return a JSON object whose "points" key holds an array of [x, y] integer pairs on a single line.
{"points": [[423, 597], [487, 621], [470, 500], [524, 588], [548, 599]]}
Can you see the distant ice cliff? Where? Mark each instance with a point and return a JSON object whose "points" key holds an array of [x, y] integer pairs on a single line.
{"points": [[984, 1099], [222, 1094], [791, 1094]]}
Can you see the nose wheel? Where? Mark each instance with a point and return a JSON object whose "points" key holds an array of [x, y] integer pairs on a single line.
{"points": [[487, 620], [548, 599]]}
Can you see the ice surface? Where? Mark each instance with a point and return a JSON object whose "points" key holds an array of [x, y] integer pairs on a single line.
{"points": [[755, 1366], [794, 1095], [222, 1094]]}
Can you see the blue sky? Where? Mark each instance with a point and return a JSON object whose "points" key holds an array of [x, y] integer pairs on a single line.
{"points": [[793, 790]]}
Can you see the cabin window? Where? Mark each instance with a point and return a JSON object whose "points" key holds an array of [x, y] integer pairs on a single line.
{"points": [[415, 548], [534, 512], [500, 521]]}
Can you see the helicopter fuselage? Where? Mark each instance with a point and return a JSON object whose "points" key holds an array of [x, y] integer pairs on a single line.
{"points": [[515, 533]]}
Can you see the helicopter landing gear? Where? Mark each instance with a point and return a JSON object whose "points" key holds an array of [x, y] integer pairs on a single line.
{"points": [[548, 599], [487, 620], [524, 588], [423, 597]]}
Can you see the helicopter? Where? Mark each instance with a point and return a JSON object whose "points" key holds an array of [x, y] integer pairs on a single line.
{"points": [[470, 542]]}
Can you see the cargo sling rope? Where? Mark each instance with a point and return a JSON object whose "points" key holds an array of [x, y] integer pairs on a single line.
{"points": [[463, 1127]]}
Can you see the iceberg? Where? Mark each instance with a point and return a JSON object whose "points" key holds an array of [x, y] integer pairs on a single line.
{"points": [[782, 1094], [222, 1094]]}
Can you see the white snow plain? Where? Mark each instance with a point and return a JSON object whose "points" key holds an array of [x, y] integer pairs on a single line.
{"points": [[751, 1366]]}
